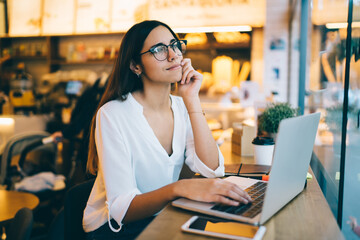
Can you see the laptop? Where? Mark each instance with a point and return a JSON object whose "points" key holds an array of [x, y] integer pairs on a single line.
{"points": [[291, 159]]}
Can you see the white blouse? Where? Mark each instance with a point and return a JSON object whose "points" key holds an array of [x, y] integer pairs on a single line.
{"points": [[132, 161]]}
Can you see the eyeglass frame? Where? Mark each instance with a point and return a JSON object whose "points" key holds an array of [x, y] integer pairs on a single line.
{"points": [[151, 50]]}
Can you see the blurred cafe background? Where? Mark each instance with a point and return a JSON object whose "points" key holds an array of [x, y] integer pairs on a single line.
{"points": [[251, 53]]}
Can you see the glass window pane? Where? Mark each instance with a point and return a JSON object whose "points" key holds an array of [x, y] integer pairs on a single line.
{"points": [[326, 91], [326, 94], [352, 158]]}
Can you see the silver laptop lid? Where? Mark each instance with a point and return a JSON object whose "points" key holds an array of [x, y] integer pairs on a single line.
{"points": [[292, 155]]}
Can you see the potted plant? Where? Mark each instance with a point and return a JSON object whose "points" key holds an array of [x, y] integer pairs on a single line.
{"points": [[269, 120]]}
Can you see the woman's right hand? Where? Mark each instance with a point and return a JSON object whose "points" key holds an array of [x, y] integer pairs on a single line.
{"points": [[211, 190]]}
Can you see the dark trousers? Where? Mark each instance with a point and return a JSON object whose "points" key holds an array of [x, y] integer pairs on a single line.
{"points": [[128, 231]]}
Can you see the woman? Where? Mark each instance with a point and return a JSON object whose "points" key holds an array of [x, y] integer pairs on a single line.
{"points": [[142, 135]]}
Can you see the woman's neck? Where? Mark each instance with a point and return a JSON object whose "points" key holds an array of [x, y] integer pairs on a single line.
{"points": [[154, 99]]}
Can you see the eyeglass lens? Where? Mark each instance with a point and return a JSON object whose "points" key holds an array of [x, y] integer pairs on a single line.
{"points": [[161, 52]]}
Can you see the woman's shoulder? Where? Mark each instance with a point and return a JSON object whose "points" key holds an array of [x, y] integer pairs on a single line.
{"points": [[178, 103], [112, 105], [115, 106], [177, 100]]}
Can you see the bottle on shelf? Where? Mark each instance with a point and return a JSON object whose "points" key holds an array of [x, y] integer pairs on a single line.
{"points": [[81, 52], [70, 53], [21, 89]]}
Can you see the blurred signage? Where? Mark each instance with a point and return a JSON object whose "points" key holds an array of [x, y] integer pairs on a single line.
{"points": [[25, 17], [126, 13], [52, 17], [92, 16], [58, 17], [330, 11], [196, 13]]}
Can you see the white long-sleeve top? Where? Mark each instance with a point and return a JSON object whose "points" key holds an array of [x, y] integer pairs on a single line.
{"points": [[132, 161]]}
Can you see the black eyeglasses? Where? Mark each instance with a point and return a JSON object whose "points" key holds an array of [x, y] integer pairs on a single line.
{"points": [[161, 51]]}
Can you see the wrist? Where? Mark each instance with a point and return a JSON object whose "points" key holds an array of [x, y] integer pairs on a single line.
{"points": [[190, 99], [197, 112], [193, 104], [177, 190]]}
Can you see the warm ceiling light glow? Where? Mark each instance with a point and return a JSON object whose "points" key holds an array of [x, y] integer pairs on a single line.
{"points": [[6, 121], [243, 28], [6, 126], [341, 25]]}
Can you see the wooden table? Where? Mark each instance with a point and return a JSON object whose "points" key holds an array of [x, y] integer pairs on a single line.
{"points": [[12, 201], [308, 216]]}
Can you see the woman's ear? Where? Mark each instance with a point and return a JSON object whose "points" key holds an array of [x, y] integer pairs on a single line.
{"points": [[135, 68]]}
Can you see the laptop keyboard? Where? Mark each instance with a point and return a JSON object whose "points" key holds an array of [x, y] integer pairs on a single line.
{"points": [[250, 210]]}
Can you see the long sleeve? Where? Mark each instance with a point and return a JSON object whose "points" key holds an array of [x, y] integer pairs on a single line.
{"points": [[115, 167]]}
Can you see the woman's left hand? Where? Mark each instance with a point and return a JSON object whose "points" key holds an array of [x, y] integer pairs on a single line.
{"points": [[190, 83]]}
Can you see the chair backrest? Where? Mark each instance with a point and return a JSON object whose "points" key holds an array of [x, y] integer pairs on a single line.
{"points": [[16, 145], [56, 229], [75, 203], [21, 226]]}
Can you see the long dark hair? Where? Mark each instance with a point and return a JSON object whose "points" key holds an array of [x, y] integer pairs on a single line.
{"points": [[122, 80]]}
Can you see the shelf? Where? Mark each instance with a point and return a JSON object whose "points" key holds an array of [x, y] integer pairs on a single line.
{"points": [[65, 35], [218, 46], [54, 48], [19, 37], [87, 34], [25, 58], [89, 62], [230, 45]]}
